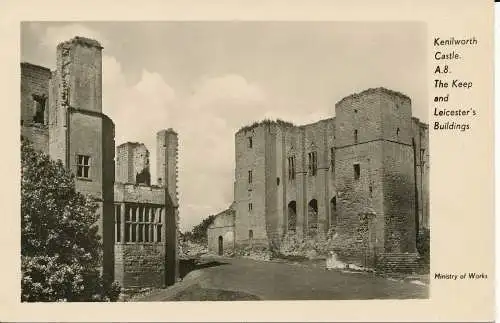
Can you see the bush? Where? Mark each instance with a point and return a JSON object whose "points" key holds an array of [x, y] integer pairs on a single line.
{"points": [[60, 248]]}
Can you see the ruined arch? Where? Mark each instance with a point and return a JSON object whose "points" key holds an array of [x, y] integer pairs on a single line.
{"points": [[312, 216], [292, 216]]}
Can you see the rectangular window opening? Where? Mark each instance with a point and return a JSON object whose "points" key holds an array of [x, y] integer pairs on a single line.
{"points": [[357, 171], [158, 233], [83, 166]]}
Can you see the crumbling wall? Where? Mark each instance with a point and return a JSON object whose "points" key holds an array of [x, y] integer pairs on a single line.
{"points": [[132, 164], [35, 105]]}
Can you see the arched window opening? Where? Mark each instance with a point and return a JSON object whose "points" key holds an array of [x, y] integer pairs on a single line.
{"points": [[312, 216]]}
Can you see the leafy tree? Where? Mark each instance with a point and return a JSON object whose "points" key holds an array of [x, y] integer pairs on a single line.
{"points": [[60, 247], [199, 233]]}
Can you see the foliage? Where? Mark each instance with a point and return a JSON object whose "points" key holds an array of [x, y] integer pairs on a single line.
{"points": [[423, 245], [60, 247], [266, 122], [199, 233]]}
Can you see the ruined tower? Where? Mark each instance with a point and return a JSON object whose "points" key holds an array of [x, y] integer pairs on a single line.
{"points": [[34, 105], [80, 135], [132, 164], [374, 173]]}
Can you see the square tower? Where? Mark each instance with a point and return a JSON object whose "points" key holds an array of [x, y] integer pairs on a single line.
{"points": [[374, 172], [80, 135]]}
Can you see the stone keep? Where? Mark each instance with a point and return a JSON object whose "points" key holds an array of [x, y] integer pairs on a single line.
{"points": [[358, 181]]}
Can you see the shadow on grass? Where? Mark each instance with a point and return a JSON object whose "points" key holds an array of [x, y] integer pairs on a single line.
{"points": [[188, 265], [196, 293]]}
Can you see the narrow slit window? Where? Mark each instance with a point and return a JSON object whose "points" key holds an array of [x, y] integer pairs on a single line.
{"points": [[332, 159], [357, 171], [291, 168], [313, 163]]}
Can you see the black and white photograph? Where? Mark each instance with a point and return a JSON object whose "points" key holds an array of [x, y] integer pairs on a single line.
{"points": [[224, 161]]}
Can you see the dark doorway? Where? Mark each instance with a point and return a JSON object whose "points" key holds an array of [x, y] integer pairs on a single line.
{"points": [[312, 219], [292, 216], [333, 210], [221, 246]]}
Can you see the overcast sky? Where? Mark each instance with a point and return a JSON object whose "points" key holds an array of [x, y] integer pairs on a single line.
{"points": [[207, 79]]}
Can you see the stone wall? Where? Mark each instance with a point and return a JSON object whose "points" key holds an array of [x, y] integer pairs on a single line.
{"points": [[250, 198], [35, 105], [222, 230], [362, 185], [421, 137], [34, 84], [73, 125], [132, 164], [140, 265], [38, 135], [85, 73]]}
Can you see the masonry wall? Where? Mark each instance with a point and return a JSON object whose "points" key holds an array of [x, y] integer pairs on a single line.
{"points": [[399, 198], [140, 265], [421, 136], [73, 125], [272, 211], [38, 136], [35, 82], [317, 188], [399, 173], [291, 189], [358, 134], [167, 161], [108, 179], [253, 159], [58, 108], [223, 226], [140, 226], [132, 164], [85, 79]]}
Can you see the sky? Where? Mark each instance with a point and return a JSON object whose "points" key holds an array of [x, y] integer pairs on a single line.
{"points": [[207, 79]]}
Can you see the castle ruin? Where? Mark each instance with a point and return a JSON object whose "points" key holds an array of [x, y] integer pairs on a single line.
{"points": [[61, 115], [356, 184]]}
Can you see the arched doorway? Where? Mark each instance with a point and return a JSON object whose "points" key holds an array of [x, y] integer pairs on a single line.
{"points": [[312, 216], [221, 246], [333, 212], [292, 216]]}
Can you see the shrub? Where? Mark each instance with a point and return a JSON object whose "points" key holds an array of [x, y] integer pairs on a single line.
{"points": [[60, 248]]}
